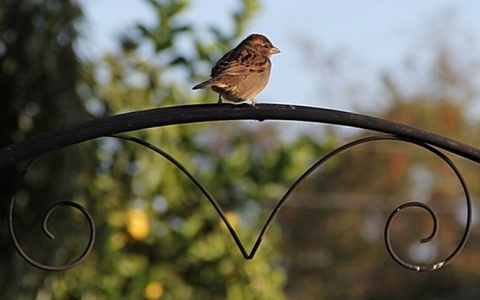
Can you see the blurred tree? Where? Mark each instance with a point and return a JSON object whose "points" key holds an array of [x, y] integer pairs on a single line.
{"points": [[157, 236], [159, 230], [39, 74], [333, 230]]}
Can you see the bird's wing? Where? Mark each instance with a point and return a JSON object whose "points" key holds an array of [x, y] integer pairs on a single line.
{"points": [[240, 62]]}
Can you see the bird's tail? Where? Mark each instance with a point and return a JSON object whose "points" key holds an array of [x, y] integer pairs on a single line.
{"points": [[202, 85]]}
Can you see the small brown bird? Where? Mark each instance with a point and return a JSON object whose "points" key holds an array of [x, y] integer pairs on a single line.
{"points": [[243, 72]]}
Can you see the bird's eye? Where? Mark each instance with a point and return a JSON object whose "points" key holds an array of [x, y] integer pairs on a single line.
{"points": [[266, 46]]}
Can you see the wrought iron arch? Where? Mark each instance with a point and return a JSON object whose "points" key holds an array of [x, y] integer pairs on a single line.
{"points": [[117, 125]]}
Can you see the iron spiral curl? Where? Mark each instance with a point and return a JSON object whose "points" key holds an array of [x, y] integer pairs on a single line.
{"points": [[433, 215], [45, 229]]}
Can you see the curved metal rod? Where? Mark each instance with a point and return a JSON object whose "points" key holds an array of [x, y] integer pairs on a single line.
{"points": [[424, 206], [275, 211], [347, 146], [197, 182], [281, 203], [423, 240], [186, 114], [45, 229]]}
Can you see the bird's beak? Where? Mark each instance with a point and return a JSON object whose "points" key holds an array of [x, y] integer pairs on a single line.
{"points": [[274, 50]]}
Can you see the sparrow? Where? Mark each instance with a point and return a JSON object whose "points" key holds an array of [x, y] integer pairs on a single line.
{"points": [[242, 72]]}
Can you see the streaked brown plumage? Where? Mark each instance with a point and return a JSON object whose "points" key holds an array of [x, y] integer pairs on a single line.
{"points": [[243, 72]]}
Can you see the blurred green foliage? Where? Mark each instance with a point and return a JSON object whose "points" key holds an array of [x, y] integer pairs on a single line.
{"points": [[157, 235]]}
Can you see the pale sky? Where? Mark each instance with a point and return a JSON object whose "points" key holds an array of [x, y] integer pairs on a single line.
{"points": [[369, 36]]}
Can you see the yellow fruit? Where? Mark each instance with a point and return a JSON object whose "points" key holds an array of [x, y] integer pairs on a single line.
{"points": [[138, 226], [153, 291]]}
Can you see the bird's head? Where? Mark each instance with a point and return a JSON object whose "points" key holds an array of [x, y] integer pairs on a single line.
{"points": [[261, 44]]}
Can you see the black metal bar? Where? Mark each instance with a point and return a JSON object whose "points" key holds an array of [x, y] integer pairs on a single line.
{"points": [[175, 115], [114, 125]]}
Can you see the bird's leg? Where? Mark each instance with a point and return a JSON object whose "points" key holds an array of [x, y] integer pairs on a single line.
{"points": [[253, 102], [219, 99]]}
